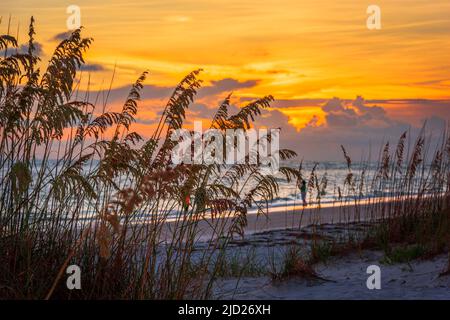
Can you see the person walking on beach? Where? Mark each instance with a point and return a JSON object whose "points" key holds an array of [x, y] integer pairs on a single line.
{"points": [[303, 192]]}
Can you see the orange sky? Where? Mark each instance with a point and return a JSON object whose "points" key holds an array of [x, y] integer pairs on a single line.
{"points": [[293, 49]]}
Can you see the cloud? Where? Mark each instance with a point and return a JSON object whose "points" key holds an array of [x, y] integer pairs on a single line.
{"points": [[119, 94], [226, 85], [356, 114], [354, 125], [162, 92], [272, 119], [61, 36], [147, 121], [154, 97], [38, 49], [333, 105], [201, 110], [92, 67], [361, 128], [288, 103]]}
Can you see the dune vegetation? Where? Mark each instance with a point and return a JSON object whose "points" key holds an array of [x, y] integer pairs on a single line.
{"points": [[79, 186]]}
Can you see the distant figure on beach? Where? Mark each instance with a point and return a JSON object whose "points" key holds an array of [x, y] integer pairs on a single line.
{"points": [[303, 192]]}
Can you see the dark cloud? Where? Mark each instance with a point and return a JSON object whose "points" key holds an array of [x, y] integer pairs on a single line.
{"points": [[92, 67], [372, 112], [286, 103], [334, 105], [272, 119], [120, 94], [61, 36], [339, 113], [147, 121], [204, 111], [226, 85], [360, 127], [160, 92], [421, 102], [38, 49], [354, 125]]}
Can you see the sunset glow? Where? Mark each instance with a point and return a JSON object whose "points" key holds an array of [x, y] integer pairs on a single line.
{"points": [[298, 51]]}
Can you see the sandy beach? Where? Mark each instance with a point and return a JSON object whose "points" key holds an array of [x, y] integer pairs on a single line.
{"points": [[267, 238], [346, 279]]}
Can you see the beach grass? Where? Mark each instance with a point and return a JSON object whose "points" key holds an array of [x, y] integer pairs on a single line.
{"points": [[79, 186]]}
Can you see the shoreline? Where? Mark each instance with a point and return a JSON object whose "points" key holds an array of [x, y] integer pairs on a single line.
{"points": [[295, 216]]}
